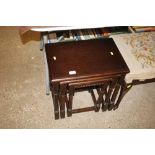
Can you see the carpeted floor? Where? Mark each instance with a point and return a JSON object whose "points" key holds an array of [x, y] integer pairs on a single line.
{"points": [[23, 103]]}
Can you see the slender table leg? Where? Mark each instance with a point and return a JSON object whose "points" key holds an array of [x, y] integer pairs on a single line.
{"points": [[100, 98], [55, 96], [124, 89], [108, 95], [113, 98], [70, 103], [62, 99]]}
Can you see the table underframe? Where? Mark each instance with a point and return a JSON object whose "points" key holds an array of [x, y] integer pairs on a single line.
{"points": [[109, 95]]}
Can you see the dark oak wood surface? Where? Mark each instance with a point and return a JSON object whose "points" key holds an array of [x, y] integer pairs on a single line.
{"points": [[87, 58]]}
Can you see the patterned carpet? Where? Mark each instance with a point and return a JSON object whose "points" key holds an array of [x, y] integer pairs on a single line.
{"points": [[23, 103]]}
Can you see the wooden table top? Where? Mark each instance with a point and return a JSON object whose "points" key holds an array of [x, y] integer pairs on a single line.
{"points": [[84, 59]]}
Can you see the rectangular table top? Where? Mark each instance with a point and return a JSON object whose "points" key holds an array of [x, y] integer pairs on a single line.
{"points": [[84, 59]]}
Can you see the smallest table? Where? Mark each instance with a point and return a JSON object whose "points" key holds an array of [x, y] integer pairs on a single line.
{"points": [[86, 65]]}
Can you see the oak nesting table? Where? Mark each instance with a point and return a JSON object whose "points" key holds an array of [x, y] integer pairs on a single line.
{"points": [[93, 65]]}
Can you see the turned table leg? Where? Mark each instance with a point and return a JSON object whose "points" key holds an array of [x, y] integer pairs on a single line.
{"points": [[114, 95], [55, 96], [70, 102], [107, 101], [62, 99]]}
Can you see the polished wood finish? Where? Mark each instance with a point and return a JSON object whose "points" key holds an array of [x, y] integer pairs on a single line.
{"points": [[88, 58], [91, 65]]}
